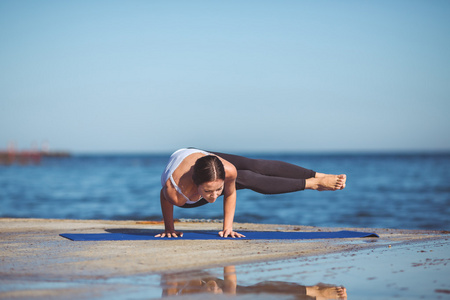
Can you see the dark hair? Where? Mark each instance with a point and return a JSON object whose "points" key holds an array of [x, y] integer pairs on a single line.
{"points": [[208, 168]]}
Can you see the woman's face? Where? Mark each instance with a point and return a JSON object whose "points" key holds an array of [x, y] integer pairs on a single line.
{"points": [[211, 190]]}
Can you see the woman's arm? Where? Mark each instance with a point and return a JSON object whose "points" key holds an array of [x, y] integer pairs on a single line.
{"points": [[167, 211], [230, 280], [229, 205]]}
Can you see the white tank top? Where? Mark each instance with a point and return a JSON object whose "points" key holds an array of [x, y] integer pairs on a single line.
{"points": [[174, 161]]}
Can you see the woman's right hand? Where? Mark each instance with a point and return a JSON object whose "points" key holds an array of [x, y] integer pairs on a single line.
{"points": [[170, 234]]}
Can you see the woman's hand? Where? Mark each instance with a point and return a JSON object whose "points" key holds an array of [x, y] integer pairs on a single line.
{"points": [[229, 232], [170, 234], [167, 211]]}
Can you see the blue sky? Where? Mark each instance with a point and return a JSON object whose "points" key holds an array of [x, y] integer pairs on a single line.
{"points": [[152, 76]]}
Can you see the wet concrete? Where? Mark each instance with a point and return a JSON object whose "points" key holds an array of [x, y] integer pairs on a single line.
{"points": [[38, 264], [402, 271]]}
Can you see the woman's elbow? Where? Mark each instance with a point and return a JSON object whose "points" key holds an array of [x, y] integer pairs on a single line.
{"points": [[174, 201], [178, 202]]}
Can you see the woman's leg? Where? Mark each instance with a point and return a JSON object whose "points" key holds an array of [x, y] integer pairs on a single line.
{"points": [[267, 185], [268, 167], [277, 177], [268, 176]]}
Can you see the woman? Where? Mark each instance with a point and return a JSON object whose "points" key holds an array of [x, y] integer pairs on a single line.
{"points": [[195, 177], [182, 283]]}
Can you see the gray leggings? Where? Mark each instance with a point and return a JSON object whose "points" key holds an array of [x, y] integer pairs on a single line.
{"points": [[268, 176], [264, 176]]}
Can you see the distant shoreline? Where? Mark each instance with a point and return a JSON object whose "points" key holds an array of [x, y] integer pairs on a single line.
{"points": [[28, 157]]}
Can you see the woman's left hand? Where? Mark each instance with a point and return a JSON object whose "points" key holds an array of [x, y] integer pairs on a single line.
{"points": [[229, 232]]}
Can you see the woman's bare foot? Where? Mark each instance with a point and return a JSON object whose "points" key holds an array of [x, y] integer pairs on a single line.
{"points": [[326, 182], [326, 291]]}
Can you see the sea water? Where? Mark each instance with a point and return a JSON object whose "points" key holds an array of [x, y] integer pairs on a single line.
{"points": [[389, 190]]}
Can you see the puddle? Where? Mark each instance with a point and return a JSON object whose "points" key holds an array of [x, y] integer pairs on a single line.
{"points": [[34, 284], [415, 271], [402, 271]]}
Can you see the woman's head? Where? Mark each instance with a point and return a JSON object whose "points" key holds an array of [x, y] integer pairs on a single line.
{"points": [[209, 176], [208, 168]]}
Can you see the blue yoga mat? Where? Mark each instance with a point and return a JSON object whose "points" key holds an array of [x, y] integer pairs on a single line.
{"points": [[212, 235]]}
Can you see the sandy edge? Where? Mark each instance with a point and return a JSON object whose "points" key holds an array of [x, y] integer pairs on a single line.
{"points": [[33, 247], [33, 257]]}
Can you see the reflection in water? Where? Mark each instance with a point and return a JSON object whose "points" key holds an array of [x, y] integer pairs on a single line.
{"points": [[203, 282]]}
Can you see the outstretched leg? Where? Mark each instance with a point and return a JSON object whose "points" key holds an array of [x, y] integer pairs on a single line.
{"points": [[267, 185], [277, 177], [268, 167]]}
